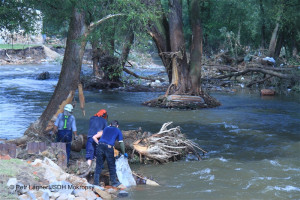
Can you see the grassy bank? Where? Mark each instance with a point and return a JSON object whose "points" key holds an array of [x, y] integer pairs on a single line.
{"points": [[17, 46], [9, 169]]}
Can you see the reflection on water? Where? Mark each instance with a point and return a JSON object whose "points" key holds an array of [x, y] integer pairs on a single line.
{"points": [[253, 143]]}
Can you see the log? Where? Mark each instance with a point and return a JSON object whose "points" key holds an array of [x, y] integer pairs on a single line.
{"points": [[267, 92], [185, 98]]}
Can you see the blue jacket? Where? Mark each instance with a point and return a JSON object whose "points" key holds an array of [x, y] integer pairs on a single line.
{"points": [[96, 124]]}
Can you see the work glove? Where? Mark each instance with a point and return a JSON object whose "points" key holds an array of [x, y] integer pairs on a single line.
{"points": [[125, 155]]}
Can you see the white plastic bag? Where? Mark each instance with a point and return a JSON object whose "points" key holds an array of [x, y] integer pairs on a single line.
{"points": [[124, 172]]}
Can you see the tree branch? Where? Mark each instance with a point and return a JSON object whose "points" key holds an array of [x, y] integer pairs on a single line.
{"points": [[92, 26], [264, 71]]}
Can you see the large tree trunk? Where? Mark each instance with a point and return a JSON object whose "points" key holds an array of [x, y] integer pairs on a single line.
{"points": [[181, 81], [69, 76], [279, 44], [196, 48], [159, 31], [180, 74]]}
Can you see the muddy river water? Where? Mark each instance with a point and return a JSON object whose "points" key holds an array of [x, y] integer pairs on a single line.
{"points": [[253, 143]]}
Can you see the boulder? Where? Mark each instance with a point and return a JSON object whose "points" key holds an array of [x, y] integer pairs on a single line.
{"points": [[123, 194], [77, 144], [103, 194], [43, 76]]}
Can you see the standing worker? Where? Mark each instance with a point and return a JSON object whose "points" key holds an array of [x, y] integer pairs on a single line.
{"points": [[97, 124], [105, 150], [66, 124]]}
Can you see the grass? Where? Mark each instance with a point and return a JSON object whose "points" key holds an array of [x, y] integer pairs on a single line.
{"points": [[16, 46], [9, 169]]}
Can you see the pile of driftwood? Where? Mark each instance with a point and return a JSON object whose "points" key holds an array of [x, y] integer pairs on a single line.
{"points": [[249, 70], [169, 144]]}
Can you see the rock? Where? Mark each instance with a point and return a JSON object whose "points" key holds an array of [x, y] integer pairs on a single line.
{"points": [[267, 92], [88, 194], [77, 192], [156, 83], [75, 180], [63, 187], [191, 157], [4, 157], [31, 195], [11, 184], [80, 198], [21, 188], [123, 193], [45, 195], [24, 197], [63, 197], [103, 194], [71, 197], [43, 76], [77, 144]]}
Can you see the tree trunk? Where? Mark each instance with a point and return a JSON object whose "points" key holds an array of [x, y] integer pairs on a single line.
{"points": [[69, 76], [196, 48], [273, 41], [279, 44], [263, 25], [180, 74], [95, 57], [126, 48], [159, 31]]}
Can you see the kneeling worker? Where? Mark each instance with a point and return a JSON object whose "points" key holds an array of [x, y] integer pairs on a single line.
{"points": [[105, 150]]}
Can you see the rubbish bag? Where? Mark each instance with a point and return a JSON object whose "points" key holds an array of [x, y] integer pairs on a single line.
{"points": [[124, 172]]}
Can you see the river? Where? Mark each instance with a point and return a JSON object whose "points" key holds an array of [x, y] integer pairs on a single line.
{"points": [[253, 142]]}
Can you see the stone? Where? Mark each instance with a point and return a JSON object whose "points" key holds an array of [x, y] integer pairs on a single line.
{"points": [[21, 188], [11, 184], [79, 198], [63, 197], [77, 144], [45, 195], [31, 195], [43, 76], [5, 157], [122, 194], [88, 194], [71, 197], [24, 197], [63, 187], [77, 192], [75, 180], [103, 194]]}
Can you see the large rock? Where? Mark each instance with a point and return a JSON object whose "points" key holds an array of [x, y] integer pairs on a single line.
{"points": [[43, 76], [77, 144], [103, 194]]}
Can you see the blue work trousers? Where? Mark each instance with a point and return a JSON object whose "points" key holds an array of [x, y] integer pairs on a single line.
{"points": [[66, 137], [103, 151]]}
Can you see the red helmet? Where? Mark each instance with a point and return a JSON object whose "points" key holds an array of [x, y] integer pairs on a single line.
{"points": [[102, 113]]}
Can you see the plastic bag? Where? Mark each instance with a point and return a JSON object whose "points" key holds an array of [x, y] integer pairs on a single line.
{"points": [[124, 172]]}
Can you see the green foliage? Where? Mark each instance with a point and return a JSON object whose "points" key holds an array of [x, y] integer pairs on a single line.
{"points": [[17, 16]]}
